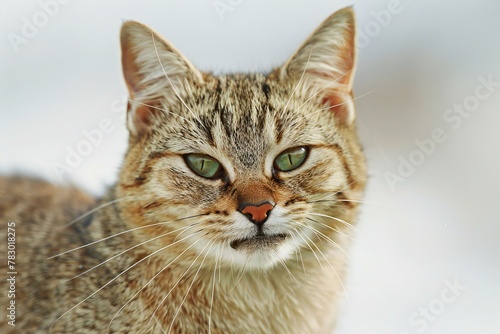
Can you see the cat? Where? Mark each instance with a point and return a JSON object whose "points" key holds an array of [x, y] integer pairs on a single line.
{"points": [[232, 212]]}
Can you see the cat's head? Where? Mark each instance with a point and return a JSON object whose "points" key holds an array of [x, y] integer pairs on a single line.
{"points": [[245, 168]]}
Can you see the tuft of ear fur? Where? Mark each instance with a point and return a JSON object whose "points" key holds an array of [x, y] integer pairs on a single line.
{"points": [[325, 64], [157, 75]]}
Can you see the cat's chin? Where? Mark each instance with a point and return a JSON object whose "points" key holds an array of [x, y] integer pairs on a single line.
{"points": [[259, 242], [260, 251]]}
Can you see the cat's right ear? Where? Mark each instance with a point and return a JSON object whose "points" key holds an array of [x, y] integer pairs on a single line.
{"points": [[324, 65], [157, 75]]}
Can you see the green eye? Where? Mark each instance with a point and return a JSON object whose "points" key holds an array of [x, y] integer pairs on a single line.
{"points": [[203, 165], [290, 159]]}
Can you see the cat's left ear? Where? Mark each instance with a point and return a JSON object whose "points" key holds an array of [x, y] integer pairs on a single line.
{"points": [[157, 75], [325, 65]]}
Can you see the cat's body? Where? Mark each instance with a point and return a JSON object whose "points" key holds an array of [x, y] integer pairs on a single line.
{"points": [[179, 249], [257, 302]]}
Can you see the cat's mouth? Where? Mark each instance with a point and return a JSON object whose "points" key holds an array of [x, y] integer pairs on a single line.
{"points": [[259, 241]]}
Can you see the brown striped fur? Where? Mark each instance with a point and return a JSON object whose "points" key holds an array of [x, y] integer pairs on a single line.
{"points": [[184, 276]]}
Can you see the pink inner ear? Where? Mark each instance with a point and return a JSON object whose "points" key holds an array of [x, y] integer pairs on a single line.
{"points": [[338, 105], [142, 117]]}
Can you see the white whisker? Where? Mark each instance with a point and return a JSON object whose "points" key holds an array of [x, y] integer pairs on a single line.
{"points": [[321, 234], [334, 218], [112, 280], [159, 325], [153, 278], [333, 193], [128, 249], [240, 276], [312, 250], [300, 254], [120, 233], [330, 227], [290, 273], [190, 286], [212, 296], [178, 281], [331, 266], [98, 208]]}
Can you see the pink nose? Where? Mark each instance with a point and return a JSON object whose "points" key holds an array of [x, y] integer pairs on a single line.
{"points": [[257, 214]]}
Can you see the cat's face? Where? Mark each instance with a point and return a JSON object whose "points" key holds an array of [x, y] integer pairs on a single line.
{"points": [[241, 169]]}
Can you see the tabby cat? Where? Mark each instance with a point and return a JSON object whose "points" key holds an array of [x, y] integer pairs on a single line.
{"points": [[232, 211]]}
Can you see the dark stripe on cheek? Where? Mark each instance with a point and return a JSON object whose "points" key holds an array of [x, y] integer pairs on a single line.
{"points": [[345, 165], [345, 201]]}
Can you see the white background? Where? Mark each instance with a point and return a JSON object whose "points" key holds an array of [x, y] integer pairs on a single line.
{"points": [[441, 223]]}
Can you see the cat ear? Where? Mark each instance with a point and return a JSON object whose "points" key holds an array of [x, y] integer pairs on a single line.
{"points": [[157, 75], [325, 64]]}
